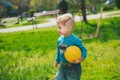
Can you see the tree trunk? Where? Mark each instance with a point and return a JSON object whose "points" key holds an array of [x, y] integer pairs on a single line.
{"points": [[83, 9]]}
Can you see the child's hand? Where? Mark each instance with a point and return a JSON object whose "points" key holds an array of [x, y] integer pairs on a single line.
{"points": [[78, 61], [55, 64]]}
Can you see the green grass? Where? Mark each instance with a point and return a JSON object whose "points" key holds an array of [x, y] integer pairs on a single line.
{"points": [[29, 41], [103, 61], [24, 22], [29, 55]]}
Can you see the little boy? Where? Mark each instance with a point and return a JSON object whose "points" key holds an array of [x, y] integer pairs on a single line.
{"points": [[68, 71]]}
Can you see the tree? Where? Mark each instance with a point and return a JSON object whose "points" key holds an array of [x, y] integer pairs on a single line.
{"points": [[95, 5], [1, 7], [63, 6], [23, 5], [117, 3], [41, 5], [83, 9], [76, 5]]}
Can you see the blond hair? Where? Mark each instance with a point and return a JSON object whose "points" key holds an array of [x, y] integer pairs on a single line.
{"points": [[66, 19]]}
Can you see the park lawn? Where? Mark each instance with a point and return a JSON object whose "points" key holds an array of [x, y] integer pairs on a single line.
{"points": [[29, 55], [12, 22]]}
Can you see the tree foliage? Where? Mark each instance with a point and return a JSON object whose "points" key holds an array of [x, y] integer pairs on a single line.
{"points": [[1, 7], [117, 3], [40, 5], [23, 5]]}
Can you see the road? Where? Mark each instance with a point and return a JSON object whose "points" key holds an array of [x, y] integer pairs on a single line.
{"points": [[52, 22]]}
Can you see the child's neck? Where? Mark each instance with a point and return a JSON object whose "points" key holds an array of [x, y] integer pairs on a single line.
{"points": [[67, 35]]}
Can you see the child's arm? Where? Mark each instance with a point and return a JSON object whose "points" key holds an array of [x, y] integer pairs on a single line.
{"points": [[78, 61], [82, 48], [56, 64], [57, 60]]}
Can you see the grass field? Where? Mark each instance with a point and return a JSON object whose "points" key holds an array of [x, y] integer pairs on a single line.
{"points": [[29, 55], [13, 22]]}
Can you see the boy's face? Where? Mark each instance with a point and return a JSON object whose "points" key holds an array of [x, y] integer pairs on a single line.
{"points": [[63, 30]]}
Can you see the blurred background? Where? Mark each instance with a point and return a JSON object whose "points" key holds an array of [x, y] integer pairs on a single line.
{"points": [[10, 8]]}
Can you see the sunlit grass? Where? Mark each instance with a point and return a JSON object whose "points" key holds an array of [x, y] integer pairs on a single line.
{"points": [[24, 22], [29, 55]]}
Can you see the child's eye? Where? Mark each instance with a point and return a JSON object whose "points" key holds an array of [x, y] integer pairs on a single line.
{"points": [[59, 27]]}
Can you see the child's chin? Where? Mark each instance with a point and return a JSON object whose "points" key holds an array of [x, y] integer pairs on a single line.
{"points": [[61, 34]]}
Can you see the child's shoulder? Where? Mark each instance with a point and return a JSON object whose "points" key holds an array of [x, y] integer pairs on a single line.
{"points": [[76, 38], [60, 38]]}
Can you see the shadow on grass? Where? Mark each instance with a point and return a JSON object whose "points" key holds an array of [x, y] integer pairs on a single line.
{"points": [[109, 30]]}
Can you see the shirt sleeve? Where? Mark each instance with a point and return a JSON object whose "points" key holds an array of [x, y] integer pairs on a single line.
{"points": [[57, 54], [82, 48]]}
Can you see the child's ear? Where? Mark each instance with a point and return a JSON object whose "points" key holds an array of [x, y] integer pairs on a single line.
{"points": [[69, 28]]}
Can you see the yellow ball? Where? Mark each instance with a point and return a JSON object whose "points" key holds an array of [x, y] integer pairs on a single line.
{"points": [[72, 54]]}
